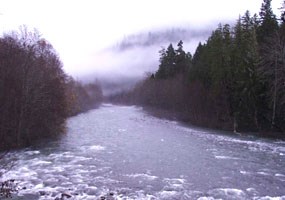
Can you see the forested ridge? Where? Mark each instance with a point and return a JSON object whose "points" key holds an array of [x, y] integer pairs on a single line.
{"points": [[36, 95], [234, 81]]}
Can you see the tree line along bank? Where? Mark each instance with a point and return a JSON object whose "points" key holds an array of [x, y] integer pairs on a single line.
{"points": [[234, 81], [36, 95]]}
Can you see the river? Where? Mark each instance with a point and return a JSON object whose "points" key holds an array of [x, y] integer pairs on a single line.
{"points": [[121, 152]]}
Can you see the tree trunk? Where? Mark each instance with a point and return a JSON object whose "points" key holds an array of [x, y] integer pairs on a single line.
{"points": [[275, 92], [256, 119], [235, 124], [19, 130]]}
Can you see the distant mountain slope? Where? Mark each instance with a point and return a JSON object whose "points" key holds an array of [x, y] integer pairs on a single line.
{"points": [[127, 62], [160, 37]]}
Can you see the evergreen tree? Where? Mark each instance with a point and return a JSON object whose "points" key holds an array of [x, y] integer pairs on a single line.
{"points": [[199, 70], [235, 73], [183, 59], [269, 24], [250, 80], [167, 63], [173, 62], [219, 46], [236, 78]]}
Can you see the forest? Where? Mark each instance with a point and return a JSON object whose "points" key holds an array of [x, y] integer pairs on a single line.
{"points": [[234, 81], [36, 95]]}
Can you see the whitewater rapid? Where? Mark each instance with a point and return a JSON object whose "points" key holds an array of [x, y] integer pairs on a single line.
{"points": [[121, 152]]}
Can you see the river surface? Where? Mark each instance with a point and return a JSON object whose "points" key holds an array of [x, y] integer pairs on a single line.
{"points": [[121, 152]]}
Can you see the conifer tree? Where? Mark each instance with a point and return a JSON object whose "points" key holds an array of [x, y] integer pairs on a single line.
{"points": [[269, 24], [172, 61], [183, 59], [250, 79], [199, 70]]}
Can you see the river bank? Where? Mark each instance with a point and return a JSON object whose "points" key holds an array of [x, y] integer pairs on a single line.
{"points": [[184, 118]]}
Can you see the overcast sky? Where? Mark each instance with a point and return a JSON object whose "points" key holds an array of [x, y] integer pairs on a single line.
{"points": [[80, 28]]}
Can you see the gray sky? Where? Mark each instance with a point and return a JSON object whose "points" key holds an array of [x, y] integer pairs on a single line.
{"points": [[79, 29]]}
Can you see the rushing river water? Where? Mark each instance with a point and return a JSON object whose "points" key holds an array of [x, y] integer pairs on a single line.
{"points": [[120, 152]]}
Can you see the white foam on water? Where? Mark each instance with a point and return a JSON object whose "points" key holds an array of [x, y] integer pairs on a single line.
{"points": [[139, 195], [167, 194], [37, 161], [66, 154], [244, 172], [39, 186], [270, 198], [228, 193], [251, 190], [206, 198], [177, 187], [226, 158], [174, 184], [57, 169], [280, 175], [97, 148], [280, 142], [143, 176], [22, 173], [263, 173], [175, 180], [121, 130], [258, 145], [232, 191], [32, 152]]}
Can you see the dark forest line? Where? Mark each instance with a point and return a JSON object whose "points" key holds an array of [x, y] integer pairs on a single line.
{"points": [[234, 81], [36, 95]]}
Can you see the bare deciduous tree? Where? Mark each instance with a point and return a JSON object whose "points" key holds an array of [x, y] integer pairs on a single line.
{"points": [[273, 70]]}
